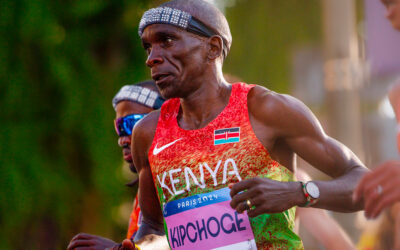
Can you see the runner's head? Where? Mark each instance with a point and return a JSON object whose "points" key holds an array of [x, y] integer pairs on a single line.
{"points": [[186, 40], [393, 12], [131, 104]]}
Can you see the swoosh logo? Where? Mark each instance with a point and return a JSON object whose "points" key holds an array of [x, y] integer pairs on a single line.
{"points": [[156, 150]]}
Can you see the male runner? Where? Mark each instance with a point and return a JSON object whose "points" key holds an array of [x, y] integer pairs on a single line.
{"points": [[212, 134], [216, 134], [379, 188], [131, 104]]}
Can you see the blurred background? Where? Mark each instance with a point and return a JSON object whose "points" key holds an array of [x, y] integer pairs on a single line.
{"points": [[61, 62]]}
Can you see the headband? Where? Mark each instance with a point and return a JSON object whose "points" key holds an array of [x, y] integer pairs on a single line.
{"points": [[140, 95], [178, 18]]}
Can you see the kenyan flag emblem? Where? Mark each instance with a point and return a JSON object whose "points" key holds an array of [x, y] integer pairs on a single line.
{"points": [[226, 135]]}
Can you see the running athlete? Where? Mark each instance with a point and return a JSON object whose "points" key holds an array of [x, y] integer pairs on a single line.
{"points": [[131, 104], [379, 188], [212, 135]]}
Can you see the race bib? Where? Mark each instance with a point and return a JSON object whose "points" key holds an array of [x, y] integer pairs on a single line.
{"points": [[207, 221]]}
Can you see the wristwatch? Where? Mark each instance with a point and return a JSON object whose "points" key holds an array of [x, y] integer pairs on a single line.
{"points": [[311, 192]]}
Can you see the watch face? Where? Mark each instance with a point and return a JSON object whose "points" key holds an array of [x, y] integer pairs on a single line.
{"points": [[312, 190]]}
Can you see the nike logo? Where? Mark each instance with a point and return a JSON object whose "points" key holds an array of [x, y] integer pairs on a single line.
{"points": [[156, 150]]}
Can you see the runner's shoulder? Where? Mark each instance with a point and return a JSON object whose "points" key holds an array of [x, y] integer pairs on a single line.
{"points": [[267, 104], [281, 111], [145, 129]]}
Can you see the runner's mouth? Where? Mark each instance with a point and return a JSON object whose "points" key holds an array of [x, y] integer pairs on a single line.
{"points": [[161, 78], [128, 158], [126, 152]]}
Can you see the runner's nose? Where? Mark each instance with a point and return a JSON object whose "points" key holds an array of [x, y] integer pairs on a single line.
{"points": [[154, 57]]}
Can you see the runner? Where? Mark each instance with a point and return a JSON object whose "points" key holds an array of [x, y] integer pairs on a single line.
{"points": [[212, 134], [131, 104]]}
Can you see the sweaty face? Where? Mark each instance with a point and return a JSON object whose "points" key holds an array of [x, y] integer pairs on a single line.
{"points": [[123, 109], [393, 12], [176, 58]]}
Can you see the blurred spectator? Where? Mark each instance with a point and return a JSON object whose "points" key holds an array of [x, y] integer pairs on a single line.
{"points": [[379, 188]]}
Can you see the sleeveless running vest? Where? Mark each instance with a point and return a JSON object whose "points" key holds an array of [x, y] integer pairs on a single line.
{"points": [[190, 166]]}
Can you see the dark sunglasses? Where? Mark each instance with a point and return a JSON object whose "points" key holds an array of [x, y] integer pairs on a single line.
{"points": [[124, 125]]}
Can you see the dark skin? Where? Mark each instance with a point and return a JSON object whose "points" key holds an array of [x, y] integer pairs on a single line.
{"points": [[89, 241], [283, 125]]}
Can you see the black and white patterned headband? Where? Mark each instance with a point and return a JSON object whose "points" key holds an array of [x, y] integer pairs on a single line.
{"points": [[178, 18], [140, 95]]}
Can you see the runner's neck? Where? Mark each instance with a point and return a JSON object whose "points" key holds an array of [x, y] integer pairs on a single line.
{"points": [[203, 106]]}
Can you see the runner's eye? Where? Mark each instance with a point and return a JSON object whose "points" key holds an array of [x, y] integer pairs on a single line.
{"points": [[148, 51], [147, 48], [167, 41]]}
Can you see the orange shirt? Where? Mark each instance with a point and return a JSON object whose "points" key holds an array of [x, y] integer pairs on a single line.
{"points": [[134, 220]]}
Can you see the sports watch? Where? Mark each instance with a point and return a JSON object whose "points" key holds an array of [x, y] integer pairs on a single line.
{"points": [[311, 192]]}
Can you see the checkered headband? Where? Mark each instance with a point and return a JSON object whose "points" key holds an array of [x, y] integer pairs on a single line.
{"points": [[140, 95], [178, 18]]}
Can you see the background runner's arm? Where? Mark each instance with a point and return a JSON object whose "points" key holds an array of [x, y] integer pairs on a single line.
{"points": [[142, 137]]}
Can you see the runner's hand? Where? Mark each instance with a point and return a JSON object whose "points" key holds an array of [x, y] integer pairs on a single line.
{"points": [[387, 177], [83, 240], [127, 245], [265, 196]]}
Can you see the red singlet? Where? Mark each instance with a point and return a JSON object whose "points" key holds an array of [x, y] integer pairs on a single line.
{"points": [[187, 164]]}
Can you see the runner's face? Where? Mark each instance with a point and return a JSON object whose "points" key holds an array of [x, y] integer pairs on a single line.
{"points": [[123, 109], [176, 58], [393, 12]]}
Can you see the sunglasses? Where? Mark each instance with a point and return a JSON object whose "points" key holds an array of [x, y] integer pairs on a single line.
{"points": [[124, 125]]}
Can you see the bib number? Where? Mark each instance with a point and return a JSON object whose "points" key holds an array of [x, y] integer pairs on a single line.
{"points": [[207, 221]]}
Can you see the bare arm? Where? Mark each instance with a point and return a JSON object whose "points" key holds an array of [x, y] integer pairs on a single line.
{"points": [[143, 135], [286, 127], [83, 240]]}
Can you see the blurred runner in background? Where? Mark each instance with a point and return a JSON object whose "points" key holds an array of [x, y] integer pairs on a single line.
{"points": [[131, 104]]}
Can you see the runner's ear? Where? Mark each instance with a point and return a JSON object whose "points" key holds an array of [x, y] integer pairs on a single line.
{"points": [[215, 47]]}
